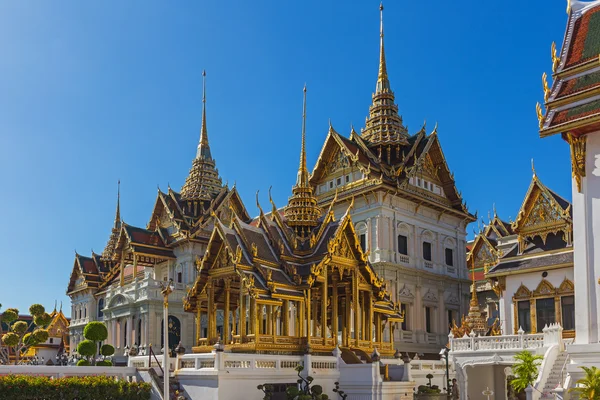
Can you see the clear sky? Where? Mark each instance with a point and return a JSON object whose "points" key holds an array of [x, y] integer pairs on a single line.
{"points": [[93, 92]]}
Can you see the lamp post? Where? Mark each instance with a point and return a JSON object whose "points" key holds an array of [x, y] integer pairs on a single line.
{"points": [[444, 353], [166, 290]]}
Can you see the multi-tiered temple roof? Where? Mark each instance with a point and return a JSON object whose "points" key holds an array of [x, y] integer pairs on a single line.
{"points": [[177, 218]]}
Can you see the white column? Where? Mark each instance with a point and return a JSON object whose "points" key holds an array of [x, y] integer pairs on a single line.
{"points": [[129, 330], [586, 222], [113, 336], [145, 330]]}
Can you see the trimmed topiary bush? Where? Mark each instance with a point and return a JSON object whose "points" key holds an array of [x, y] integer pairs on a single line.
{"points": [[107, 350], [95, 331], [104, 363], [83, 363], [86, 348]]}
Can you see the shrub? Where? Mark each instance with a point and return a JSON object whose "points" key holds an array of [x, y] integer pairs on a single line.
{"points": [[25, 387], [40, 335], [36, 309], [525, 370], [104, 363], [10, 315], [83, 363], [95, 331], [10, 339], [43, 319], [86, 348], [107, 350], [588, 387]]}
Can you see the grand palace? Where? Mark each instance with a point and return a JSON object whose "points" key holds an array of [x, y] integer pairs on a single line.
{"points": [[369, 249], [369, 258]]}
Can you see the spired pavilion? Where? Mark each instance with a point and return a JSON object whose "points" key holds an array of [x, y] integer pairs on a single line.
{"points": [[293, 283]]}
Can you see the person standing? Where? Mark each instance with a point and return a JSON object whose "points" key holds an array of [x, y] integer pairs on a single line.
{"points": [[455, 393]]}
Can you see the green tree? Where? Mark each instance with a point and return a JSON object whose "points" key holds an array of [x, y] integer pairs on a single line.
{"points": [[525, 370], [18, 336], [94, 333], [589, 387]]}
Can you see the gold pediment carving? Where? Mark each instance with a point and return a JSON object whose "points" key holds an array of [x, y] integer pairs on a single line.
{"points": [[430, 170], [566, 287], [545, 288], [222, 260], [544, 212], [522, 293], [337, 162], [344, 249], [485, 256]]}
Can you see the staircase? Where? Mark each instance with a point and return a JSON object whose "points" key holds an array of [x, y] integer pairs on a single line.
{"points": [[175, 389], [555, 378]]}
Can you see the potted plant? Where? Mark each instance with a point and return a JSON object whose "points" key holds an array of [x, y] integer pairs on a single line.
{"points": [[589, 387], [525, 371]]}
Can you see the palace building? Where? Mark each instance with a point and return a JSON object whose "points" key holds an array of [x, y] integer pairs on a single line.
{"points": [[408, 214], [121, 286], [292, 284], [295, 277]]}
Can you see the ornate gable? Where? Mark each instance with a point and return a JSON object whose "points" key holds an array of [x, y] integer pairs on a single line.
{"points": [[542, 213], [522, 293], [545, 288], [566, 287]]}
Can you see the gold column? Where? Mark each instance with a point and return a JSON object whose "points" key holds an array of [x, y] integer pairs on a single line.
{"points": [[198, 320], [557, 310], [392, 328], [324, 307], [255, 322], [301, 318], [348, 316], [210, 312], [226, 331], [253, 317], [334, 310], [533, 313], [355, 305], [314, 316], [286, 318], [308, 314], [362, 316], [370, 323], [242, 308], [378, 328]]}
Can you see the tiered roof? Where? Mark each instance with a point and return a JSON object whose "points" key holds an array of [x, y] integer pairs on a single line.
{"points": [[573, 102], [543, 230]]}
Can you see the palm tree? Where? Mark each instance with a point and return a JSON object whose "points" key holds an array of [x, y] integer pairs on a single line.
{"points": [[525, 370], [589, 387]]}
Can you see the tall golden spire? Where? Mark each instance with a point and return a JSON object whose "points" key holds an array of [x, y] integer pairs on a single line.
{"points": [[475, 319], [302, 179], [114, 233], [203, 147], [384, 125], [203, 181], [302, 212], [382, 78]]}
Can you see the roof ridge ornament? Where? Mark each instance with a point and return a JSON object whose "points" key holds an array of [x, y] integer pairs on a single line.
{"points": [[302, 212], [203, 182]]}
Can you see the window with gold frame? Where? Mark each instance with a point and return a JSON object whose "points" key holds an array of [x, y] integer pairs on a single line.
{"points": [[544, 291]]}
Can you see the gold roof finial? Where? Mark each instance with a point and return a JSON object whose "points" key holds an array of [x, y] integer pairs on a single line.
{"points": [[302, 180], [203, 147], [302, 212], [533, 168], [114, 234], [383, 125], [382, 78], [203, 181]]}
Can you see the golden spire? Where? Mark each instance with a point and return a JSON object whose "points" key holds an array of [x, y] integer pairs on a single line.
{"points": [[384, 125], [302, 179], [302, 212], [203, 181], [382, 78], [114, 233], [203, 147]]}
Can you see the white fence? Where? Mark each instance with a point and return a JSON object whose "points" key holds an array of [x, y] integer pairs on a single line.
{"points": [[520, 341]]}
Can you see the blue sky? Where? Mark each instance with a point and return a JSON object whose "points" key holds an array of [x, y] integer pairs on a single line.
{"points": [[93, 92]]}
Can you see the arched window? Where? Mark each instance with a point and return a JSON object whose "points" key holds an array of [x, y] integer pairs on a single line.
{"points": [[100, 308], [427, 238], [85, 312], [361, 230], [80, 313]]}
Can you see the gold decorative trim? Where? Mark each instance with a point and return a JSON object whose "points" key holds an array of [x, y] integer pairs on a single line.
{"points": [[578, 148]]}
